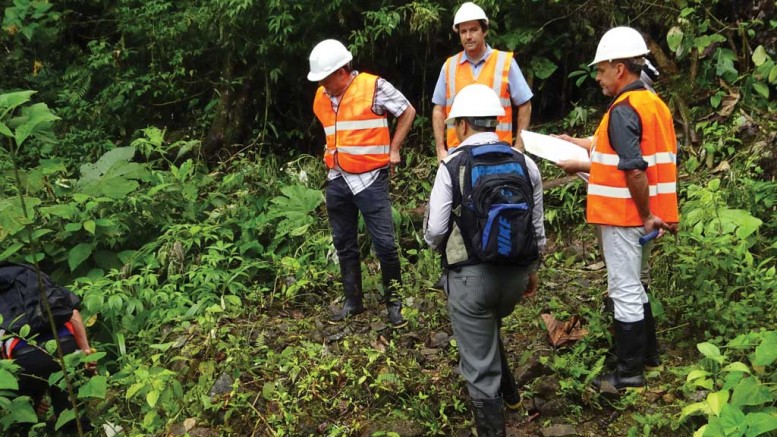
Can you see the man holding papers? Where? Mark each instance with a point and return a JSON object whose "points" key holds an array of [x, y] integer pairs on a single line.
{"points": [[631, 192]]}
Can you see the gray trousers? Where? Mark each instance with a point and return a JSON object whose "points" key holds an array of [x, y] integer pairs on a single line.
{"points": [[479, 297]]}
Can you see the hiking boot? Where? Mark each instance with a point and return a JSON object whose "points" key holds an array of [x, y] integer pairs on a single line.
{"points": [[630, 352], [489, 417], [352, 286], [392, 279], [510, 395]]}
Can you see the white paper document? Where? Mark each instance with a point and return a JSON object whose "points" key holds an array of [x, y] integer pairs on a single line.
{"points": [[551, 148]]}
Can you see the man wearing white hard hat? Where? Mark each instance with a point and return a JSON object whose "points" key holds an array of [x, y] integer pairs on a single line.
{"points": [[360, 153], [479, 63], [632, 192], [485, 192]]}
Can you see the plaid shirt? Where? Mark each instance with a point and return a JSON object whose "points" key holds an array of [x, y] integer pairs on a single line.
{"points": [[387, 98]]}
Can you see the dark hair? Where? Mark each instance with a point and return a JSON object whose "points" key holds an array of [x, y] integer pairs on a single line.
{"points": [[483, 26], [480, 124], [633, 65]]}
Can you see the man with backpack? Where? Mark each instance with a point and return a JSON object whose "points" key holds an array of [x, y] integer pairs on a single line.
{"points": [[486, 217], [20, 305]]}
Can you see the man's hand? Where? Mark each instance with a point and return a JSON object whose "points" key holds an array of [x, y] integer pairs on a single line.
{"points": [[571, 166], [580, 142], [532, 286], [518, 145], [394, 160], [653, 222]]}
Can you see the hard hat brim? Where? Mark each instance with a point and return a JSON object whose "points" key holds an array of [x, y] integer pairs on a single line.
{"points": [[627, 56]]}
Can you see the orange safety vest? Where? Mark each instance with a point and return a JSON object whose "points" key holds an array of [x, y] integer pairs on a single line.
{"points": [[609, 199], [494, 75], [357, 139]]}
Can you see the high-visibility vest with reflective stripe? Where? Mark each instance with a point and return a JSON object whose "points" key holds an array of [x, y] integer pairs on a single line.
{"points": [[357, 139], [493, 74], [609, 199]]}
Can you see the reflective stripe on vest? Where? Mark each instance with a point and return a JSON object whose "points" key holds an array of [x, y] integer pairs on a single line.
{"points": [[609, 198], [357, 139], [494, 74]]}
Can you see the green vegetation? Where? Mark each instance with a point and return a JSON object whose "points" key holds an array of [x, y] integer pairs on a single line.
{"points": [[161, 159]]}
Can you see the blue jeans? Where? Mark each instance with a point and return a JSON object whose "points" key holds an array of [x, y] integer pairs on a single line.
{"points": [[343, 208]]}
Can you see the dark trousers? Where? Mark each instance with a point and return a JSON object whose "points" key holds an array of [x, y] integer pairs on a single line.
{"points": [[36, 366], [374, 204]]}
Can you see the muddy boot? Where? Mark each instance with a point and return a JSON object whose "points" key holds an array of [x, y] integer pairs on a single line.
{"points": [[630, 348], [392, 279], [652, 359], [507, 387], [489, 417], [352, 285]]}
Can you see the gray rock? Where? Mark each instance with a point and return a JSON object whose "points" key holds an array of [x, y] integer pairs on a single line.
{"points": [[558, 431], [223, 385]]}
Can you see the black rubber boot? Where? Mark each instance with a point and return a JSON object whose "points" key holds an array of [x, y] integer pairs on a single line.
{"points": [[630, 348], [507, 386], [352, 285], [392, 279], [652, 359], [489, 417]]}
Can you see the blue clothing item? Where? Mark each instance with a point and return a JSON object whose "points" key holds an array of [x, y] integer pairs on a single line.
{"points": [[343, 208], [520, 92]]}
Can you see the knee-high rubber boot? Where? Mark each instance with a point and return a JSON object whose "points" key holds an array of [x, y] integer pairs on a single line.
{"points": [[352, 285], [392, 278], [652, 359], [489, 417], [507, 386], [630, 350]]}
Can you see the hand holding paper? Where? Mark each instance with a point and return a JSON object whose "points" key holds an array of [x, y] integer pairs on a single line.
{"points": [[552, 148]]}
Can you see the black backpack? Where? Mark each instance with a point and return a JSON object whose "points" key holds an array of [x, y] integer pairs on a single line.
{"points": [[497, 202], [20, 300]]}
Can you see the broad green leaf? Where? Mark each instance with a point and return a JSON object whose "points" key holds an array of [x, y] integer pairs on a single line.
{"points": [[134, 389], [750, 391], [112, 175], [543, 67], [741, 219], [89, 226], [766, 352], [759, 55], [732, 420], [736, 366], [696, 374], [674, 37], [9, 101], [152, 397], [8, 380], [268, 389], [700, 432], [22, 411], [96, 387], [65, 210], [709, 350], [10, 250], [38, 122], [761, 89], [760, 423], [773, 75], [5, 130], [693, 409], [717, 400], [78, 255], [64, 417], [13, 217]]}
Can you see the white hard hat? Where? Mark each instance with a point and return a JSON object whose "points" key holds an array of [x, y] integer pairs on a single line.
{"points": [[620, 43], [468, 12], [476, 100], [326, 57]]}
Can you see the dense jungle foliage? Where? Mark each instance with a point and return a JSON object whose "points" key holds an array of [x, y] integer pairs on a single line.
{"points": [[161, 159]]}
